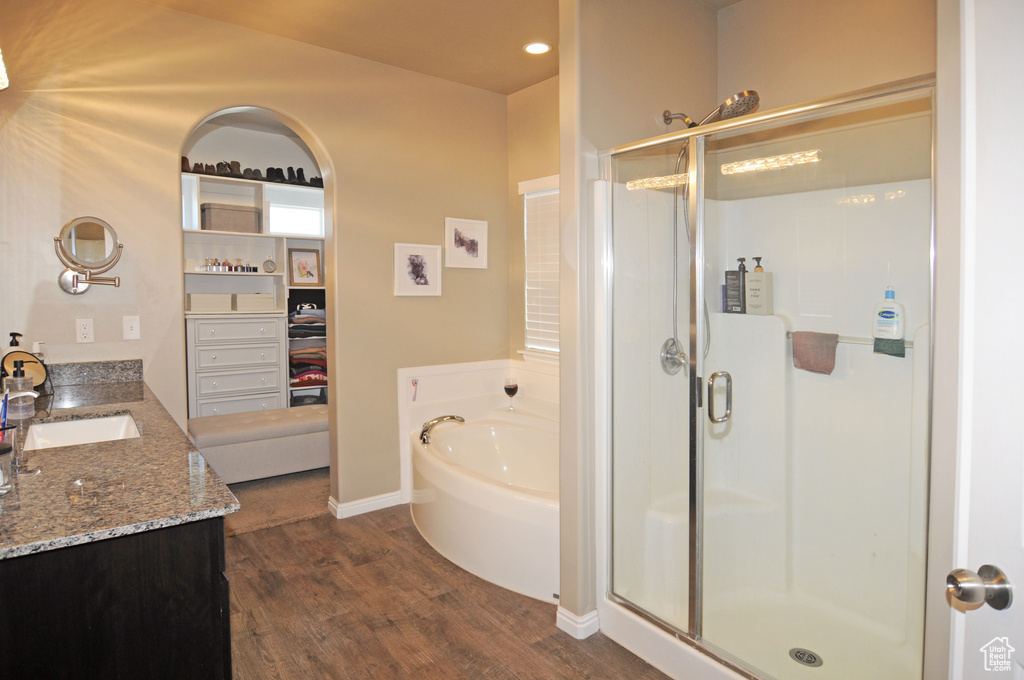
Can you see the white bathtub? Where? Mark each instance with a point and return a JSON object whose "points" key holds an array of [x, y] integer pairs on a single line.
{"points": [[485, 495]]}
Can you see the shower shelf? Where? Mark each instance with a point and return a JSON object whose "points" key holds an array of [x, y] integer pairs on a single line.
{"points": [[720, 501], [852, 340]]}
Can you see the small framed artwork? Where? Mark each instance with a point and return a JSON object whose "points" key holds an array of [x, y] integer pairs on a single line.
{"points": [[304, 267], [465, 243], [417, 269]]}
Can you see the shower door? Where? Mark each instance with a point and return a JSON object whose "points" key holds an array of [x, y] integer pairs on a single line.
{"points": [[768, 502]]}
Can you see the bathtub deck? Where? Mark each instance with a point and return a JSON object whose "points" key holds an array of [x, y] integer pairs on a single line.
{"points": [[366, 597]]}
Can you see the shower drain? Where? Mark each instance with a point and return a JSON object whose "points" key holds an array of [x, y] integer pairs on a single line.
{"points": [[805, 657]]}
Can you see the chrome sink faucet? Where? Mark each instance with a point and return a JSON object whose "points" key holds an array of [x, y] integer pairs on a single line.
{"points": [[429, 425]]}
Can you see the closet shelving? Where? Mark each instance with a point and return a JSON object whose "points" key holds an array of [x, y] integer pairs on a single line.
{"points": [[239, 358]]}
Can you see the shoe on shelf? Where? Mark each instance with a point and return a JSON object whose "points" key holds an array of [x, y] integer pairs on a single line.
{"points": [[248, 174], [236, 168], [185, 165], [209, 169], [300, 175]]}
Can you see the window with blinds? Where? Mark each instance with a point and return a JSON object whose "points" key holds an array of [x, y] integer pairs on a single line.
{"points": [[541, 209]]}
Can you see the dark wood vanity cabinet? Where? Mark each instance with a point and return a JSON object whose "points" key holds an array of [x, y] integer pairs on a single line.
{"points": [[143, 606]]}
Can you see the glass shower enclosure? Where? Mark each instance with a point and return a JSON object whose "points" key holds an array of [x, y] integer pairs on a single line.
{"points": [[768, 471]]}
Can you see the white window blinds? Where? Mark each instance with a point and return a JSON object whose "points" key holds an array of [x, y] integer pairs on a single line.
{"points": [[541, 209]]}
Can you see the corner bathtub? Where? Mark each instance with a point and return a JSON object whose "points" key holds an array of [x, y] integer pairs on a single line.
{"points": [[485, 496]]}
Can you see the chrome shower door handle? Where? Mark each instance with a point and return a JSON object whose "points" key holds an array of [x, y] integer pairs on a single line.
{"points": [[711, 396], [988, 585]]}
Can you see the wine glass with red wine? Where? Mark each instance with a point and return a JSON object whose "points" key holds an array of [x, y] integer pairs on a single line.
{"points": [[510, 389]]}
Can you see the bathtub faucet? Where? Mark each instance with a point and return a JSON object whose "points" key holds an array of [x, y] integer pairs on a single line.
{"points": [[429, 425]]}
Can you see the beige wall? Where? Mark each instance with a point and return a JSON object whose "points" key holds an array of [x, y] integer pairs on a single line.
{"points": [[532, 153], [792, 51], [621, 65], [104, 93]]}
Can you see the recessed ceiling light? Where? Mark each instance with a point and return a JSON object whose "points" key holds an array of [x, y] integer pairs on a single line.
{"points": [[537, 48]]}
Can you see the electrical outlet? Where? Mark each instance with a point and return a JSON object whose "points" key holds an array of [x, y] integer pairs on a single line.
{"points": [[83, 331], [131, 328]]}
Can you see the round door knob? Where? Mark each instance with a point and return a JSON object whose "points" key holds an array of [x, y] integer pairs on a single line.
{"points": [[987, 585]]}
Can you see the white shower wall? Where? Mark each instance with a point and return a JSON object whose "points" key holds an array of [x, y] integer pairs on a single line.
{"points": [[850, 480]]}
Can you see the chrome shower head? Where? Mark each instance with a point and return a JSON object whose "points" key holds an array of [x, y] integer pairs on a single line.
{"points": [[740, 104]]}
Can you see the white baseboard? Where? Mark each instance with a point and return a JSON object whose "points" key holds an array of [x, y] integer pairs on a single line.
{"points": [[577, 626], [353, 508]]}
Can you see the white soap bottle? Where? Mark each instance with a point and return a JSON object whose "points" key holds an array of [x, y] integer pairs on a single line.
{"points": [[888, 319]]}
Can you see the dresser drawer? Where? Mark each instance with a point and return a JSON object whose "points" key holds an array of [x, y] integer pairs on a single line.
{"points": [[257, 402], [254, 380], [237, 330], [242, 355]]}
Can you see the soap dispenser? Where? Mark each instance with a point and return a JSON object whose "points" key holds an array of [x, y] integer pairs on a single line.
{"points": [[735, 288], [758, 290], [14, 346], [21, 402]]}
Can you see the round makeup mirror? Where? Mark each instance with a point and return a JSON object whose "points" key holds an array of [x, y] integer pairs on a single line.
{"points": [[88, 243], [86, 246]]}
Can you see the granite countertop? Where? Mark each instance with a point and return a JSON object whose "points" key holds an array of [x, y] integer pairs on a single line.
{"points": [[96, 491]]}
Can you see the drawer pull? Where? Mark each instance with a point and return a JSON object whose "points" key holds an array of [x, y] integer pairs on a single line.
{"points": [[213, 331], [261, 331], [264, 406], [214, 383], [216, 410], [262, 356], [214, 357], [263, 380]]}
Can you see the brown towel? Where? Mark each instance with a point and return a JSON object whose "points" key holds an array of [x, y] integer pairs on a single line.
{"points": [[815, 351]]}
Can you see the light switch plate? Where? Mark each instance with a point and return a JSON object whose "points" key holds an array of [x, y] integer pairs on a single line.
{"points": [[131, 328]]}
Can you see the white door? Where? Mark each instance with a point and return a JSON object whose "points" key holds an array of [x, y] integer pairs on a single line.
{"points": [[988, 643]]}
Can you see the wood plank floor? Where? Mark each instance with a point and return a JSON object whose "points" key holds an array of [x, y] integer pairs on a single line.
{"points": [[366, 597]]}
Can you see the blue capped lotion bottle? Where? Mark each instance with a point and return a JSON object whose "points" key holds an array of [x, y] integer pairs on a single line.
{"points": [[888, 320]]}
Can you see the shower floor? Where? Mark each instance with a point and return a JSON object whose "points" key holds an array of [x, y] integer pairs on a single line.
{"points": [[762, 630]]}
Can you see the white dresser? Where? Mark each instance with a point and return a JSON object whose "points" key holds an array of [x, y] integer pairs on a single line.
{"points": [[236, 364]]}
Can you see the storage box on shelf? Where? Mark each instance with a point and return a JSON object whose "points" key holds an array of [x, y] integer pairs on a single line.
{"points": [[226, 217]]}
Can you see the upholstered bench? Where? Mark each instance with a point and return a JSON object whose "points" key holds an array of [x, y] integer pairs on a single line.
{"points": [[256, 444]]}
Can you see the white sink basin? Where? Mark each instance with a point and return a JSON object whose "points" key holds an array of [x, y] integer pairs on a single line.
{"points": [[73, 432]]}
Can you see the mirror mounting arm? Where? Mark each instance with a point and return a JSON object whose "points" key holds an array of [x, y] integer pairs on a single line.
{"points": [[77, 279], [87, 277]]}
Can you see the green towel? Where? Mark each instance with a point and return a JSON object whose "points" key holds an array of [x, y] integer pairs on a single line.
{"points": [[894, 348]]}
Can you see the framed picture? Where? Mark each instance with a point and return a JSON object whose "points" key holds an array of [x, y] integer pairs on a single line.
{"points": [[417, 269], [465, 243], [304, 267]]}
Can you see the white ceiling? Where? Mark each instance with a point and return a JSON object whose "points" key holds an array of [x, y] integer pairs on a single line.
{"points": [[474, 42]]}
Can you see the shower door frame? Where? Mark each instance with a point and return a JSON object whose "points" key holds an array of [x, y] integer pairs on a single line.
{"points": [[665, 634]]}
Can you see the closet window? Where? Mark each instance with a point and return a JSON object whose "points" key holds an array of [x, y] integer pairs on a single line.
{"points": [[540, 202]]}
